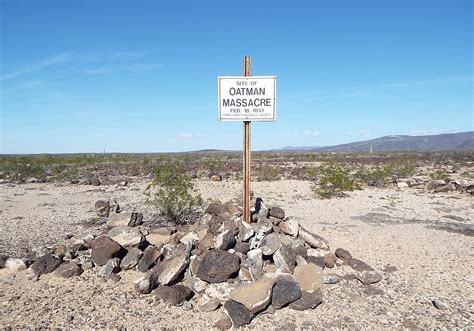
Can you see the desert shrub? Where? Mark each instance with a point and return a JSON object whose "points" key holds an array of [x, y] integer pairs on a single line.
{"points": [[268, 172], [173, 194], [377, 176], [467, 174], [305, 173], [439, 174], [334, 180]]}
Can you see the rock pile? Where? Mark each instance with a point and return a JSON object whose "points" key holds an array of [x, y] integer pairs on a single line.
{"points": [[247, 269]]}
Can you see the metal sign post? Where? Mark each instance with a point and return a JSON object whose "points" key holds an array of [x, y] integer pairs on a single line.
{"points": [[246, 98], [246, 164]]}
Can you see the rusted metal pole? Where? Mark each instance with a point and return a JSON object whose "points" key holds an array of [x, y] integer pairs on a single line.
{"points": [[246, 165]]}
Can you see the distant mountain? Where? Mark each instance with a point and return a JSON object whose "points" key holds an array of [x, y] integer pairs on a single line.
{"points": [[440, 142], [299, 148]]}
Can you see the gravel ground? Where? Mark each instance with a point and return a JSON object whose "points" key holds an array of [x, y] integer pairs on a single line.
{"points": [[407, 235]]}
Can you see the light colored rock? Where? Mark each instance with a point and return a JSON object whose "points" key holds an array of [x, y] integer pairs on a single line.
{"points": [[309, 276], [126, 236], [209, 304], [189, 238], [290, 227], [270, 244], [173, 269], [125, 218], [313, 240], [256, 295], [15, 264], [195, 284], [219, 291]]}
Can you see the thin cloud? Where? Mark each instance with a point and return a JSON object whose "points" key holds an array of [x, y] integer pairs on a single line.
{"points": [[127, 55], [21, 86], [363, 133], [133, 67], [60, 58], [190, 136], [311, 133]]}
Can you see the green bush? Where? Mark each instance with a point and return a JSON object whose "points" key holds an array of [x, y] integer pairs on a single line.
{"points": [[439, 174], [377, 176], [334, 180], [174, 195], [268, 172]]}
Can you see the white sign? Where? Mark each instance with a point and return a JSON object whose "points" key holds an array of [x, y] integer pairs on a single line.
{"points": [[247, 98]]}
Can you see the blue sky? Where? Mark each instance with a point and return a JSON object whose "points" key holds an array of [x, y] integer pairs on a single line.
{"points": [[141, 76]]}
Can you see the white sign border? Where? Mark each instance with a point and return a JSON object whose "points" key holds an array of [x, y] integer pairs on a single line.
{"points": [[273, 119]]}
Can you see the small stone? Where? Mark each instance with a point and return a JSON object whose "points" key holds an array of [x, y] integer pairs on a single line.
{"points": [[329, 260], [102, 208], [131, 259], [277, 212], [289, 227], [150, 256], [238, 313], [95, 182], [359, 265], [256, 295], [224, 323], [195, 284], [254, 263], [68, 270], [87, 264], [368, 277], [440, 304], [111, 267], [125, 218], [309, 277], [245, 275], [3, 259], [313, 240], [307, 301], [343, 254], [114, 277], [209, 305], [174, 295], [284, 292], [15, 264], [331, 279], [148, 282], [216, 178], [126, 236], [172, 269], [218, 266], [270, 244], [103, 249], [45, 264]]}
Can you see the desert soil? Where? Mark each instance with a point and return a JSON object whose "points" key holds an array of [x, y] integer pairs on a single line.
{"points": [[403, 234]]}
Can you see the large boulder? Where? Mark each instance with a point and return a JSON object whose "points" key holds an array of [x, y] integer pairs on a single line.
{"points": [[218, 266], [270, 244], [45, 264], [104, 249], [102, 208], [126, 236]]}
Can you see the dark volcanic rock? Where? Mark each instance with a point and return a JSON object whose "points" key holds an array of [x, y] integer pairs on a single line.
{"points": [[103, 249], [3, 259], [131, 259], [238, 313], [45, 264], [368, 277], [284, 292], [68, 270], [343, 254], [277, 212], [174, 295], [329, 260], [242, 247], [318, 260], [150, 256], [359, 265], [307, 300], [218, 266]]}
